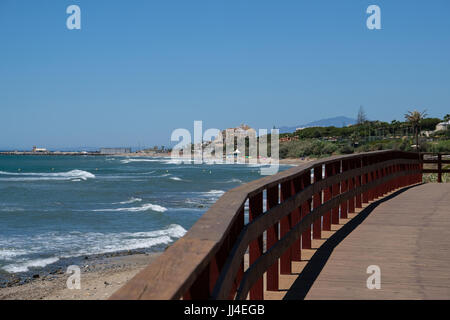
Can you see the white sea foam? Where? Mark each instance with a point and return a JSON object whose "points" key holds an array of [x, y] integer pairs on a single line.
{"points": [[11, 209], [98, 243], [35, 176], [234, 180], [144, 207], [214, 193], [8, 254], [163, 175], [126, 161], [145, 173], [75, 244], [176, 178], [131, 200], [178, 161], [23, 267]]}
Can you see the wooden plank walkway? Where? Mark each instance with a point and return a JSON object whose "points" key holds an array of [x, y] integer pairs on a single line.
{"points": [[406, 234]]}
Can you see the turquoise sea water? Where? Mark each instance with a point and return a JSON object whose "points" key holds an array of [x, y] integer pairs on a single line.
{"points": [[57, 207]]}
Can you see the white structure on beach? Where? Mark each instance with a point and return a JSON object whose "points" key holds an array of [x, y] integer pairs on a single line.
{"points": [[35, 149]]}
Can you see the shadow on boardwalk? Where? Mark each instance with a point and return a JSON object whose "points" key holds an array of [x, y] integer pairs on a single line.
{"points": [[311, 271]]}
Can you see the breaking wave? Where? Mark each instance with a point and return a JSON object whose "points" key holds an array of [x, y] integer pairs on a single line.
{"points": [[23, 267], [131, 200], [36, 176], [144, 207]]}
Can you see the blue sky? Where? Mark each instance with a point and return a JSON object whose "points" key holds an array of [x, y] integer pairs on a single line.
{"points": [[139, 69]]}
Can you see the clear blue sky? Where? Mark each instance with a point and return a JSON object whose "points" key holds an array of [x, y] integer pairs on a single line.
{"points": [[139, 69]]}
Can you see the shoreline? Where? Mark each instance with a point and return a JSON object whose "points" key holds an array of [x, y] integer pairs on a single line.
{"points": [[100, 277]]}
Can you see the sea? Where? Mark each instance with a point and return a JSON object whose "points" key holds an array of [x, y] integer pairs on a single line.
{"points": [[53, 208]]}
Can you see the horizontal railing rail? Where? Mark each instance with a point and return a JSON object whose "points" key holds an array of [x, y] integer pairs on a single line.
{"points": [[208, 262]]}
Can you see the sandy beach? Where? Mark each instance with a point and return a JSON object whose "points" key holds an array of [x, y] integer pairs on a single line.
{"points": [[100, 278]]}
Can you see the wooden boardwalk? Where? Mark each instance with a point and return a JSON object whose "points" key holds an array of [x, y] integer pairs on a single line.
{"points": [[401, 235], [406, 234]]}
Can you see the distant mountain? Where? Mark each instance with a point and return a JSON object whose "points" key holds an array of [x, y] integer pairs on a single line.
{"points": [[336, 122]]}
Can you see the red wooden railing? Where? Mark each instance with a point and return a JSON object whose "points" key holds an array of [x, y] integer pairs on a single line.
{"points": [[438, 159], [208, 262]]}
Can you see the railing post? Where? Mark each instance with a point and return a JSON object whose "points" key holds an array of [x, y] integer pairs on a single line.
{"points": [[285, 226], [388, 172], [384, 174], [327, 196], [317, 226], [237, 228], [377, 174], [306, 209], [380, 176], [200, 289], [272, 238], [295, 217], [335, 192], [419, 175], [396, 180], [256, 246], [358, 183], [365, 180], [344, 188], [370, 178], [351, 185], [403, 169], [439, 167]]}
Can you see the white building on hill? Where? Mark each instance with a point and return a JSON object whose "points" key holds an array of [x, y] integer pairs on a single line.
{"points": [[443, 126]]}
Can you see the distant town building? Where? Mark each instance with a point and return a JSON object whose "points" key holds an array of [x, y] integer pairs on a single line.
{"points": [[443, 126], [239, 132], [35, 149], [114, 150], [287, 139]]}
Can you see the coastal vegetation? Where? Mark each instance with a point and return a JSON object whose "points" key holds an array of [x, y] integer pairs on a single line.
{"points": [[415, 133]]}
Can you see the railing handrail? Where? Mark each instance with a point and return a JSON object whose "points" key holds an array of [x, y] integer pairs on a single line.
{"points": [[184, 263]]}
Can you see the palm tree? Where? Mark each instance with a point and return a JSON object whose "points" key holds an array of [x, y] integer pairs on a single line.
{"points": [[415, 118], [394, 126]]}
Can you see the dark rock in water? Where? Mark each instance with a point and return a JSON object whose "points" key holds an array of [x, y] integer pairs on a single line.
{"points": [[85, 258], [35, 276]]}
